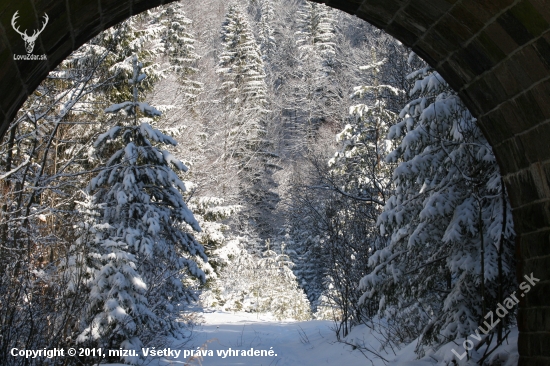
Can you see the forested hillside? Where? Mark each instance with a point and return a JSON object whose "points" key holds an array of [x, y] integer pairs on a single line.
{"points": [[266, 156]]}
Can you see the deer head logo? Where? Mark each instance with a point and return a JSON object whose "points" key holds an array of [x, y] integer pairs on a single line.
{"points": [[29, 40]]}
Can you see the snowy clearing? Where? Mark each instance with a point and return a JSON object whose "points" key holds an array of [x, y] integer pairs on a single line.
{"points": [[294, 343], [306, 343]]}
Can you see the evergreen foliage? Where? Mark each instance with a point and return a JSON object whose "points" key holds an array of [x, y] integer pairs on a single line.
{"points": [[266, 37], [245, 99], [448, 224], [316, 34], [241, 68], [371, 212], [144, 256], [179, 46]]}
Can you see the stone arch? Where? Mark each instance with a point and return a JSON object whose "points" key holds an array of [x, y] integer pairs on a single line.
{"points": [[495, 53]]}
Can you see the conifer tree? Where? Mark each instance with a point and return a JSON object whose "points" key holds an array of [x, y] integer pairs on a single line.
{"points": [[139, 35], [316, 34], [306, 251], [242, 71], [360, 182], [281, 292], [145, 256], [316, 90], [448, 224], [245, 100], [179, 46], [266, 36], [243, 86]]}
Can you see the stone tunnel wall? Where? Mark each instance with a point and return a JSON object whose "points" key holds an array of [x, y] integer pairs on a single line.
{"points": [[495, 53]]}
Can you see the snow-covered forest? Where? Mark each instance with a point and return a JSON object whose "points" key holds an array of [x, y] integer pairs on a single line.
{"points": [[263, 156]]}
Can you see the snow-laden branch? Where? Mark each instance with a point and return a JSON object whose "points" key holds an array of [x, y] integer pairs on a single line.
{"points": [[370, 279], [349, 195], [15, 170], [425, 265]]}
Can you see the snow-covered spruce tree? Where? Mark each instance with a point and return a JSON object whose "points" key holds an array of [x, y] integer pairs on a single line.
{"points": [[179, 46], [448, 258], [144, 254], [278, 287], [241, 69], [117, 311], [139, 35], [305, 248], [243, 81], [237, 284], [316, 34], [212, 213], [266, 37], [316, 91]]}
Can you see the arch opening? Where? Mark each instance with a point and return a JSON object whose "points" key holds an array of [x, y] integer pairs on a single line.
{"points": [[496, 55]]}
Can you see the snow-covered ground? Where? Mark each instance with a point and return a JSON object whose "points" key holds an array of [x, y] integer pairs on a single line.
{"points": [[293, 343], [223, 337]]}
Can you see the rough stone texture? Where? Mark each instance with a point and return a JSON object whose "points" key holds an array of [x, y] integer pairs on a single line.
{"points": [[495, 53]]}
